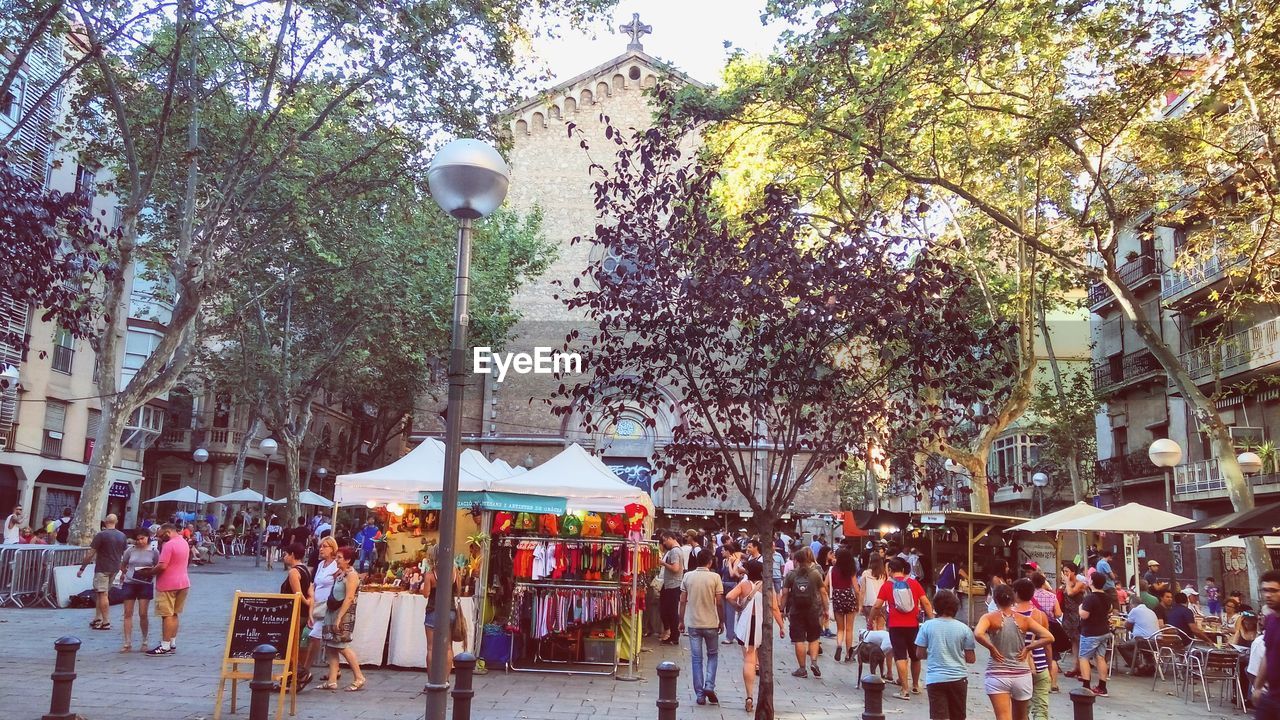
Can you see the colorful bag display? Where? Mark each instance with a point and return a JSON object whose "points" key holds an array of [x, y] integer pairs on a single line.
{"points": [[526, 521], [592, 526], [503, 523], [570, 526], [614, 524], [549, 525]]}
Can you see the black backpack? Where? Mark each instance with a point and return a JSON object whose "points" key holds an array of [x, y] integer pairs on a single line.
{"points": [[804, 589]]}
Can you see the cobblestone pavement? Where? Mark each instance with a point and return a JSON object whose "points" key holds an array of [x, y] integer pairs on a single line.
{"points": [[115, 686]]}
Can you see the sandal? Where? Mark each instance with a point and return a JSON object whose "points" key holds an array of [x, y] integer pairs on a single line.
{"points": [[356, 686], [103, 626], [916, 690], [750, 703], [902, 695], [96, 622], [126, 648], [327, 686]]}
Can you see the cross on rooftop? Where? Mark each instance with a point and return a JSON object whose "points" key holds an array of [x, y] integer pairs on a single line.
{"points": [[636, 30]]}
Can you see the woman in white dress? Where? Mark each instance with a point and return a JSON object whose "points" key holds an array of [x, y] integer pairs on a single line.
{"points": [[748, 597], [322, 585]]}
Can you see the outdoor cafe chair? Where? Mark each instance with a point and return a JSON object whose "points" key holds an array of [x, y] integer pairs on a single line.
{"points": [[1170, 655], [1212, 666]]}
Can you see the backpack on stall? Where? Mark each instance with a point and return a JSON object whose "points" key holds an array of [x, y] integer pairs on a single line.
{"points": [[904, 599]]}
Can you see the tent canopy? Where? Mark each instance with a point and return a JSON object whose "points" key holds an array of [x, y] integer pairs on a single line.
{"points": [[1262, 517], [579, 477], [1131, 517], [186, 494], [422, 469], [1235, 541], [1044, 522], [306, 497], [245, 495]]}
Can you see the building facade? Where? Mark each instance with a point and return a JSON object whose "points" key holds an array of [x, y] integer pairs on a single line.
{"points": [[511, 419]]}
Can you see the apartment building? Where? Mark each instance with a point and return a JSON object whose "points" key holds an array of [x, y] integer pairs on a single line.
{"points": [[49, 421], [1182, 283]]}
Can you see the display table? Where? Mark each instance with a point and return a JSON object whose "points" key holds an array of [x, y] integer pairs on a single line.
{"points": [[393, 621]]}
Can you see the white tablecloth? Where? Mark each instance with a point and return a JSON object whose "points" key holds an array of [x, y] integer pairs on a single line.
{"points": [[369, 637]]}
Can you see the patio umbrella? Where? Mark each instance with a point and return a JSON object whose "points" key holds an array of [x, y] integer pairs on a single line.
{"points": [[306, 497], [1045, 523], [246, 495], [1235, 541], [1263, 518], [185, 494], [1128, 518]]}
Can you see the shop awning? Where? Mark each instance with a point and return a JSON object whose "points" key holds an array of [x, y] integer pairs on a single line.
{"points": [[121, 490], [1130, 518], [1263, 517]]}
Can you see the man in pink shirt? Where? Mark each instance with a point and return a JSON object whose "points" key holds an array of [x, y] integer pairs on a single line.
{"points": [[172, 585]]}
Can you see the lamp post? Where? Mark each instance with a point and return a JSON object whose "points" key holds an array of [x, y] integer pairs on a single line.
{"points": [[1165, 453], [1250, 463], [200, 456], [1040, 481], [268, 448], [320, 474], [468, 179]]}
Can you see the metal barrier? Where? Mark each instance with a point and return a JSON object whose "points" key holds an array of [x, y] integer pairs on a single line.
{"points": [[26, 572]]}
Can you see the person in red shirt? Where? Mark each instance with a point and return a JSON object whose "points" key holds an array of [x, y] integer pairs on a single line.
{"points": [[903, 626]]}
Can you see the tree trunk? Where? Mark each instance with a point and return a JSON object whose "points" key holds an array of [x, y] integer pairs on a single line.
{"points": [[764, 694], [921, 460], [1206, 414], [106, 451], [292, 447]]}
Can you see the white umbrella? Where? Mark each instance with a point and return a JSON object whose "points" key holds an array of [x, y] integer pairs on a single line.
{"points": [[306, 497], [1235, 541], [246, 495], [1128, 518], [185, 494], [1046, 522]]}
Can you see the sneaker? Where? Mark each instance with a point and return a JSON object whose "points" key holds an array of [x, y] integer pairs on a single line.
{"points": [[712, 698], [800, 672], [159, 651], [1100, 691], [814, 669], [701, 700]]}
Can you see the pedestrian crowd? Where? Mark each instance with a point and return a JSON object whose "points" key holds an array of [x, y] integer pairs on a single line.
{"points": [[872, 601]]}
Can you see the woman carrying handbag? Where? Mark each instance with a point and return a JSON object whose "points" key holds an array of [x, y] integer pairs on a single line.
{"points": [[340, 620], [748, 597]]}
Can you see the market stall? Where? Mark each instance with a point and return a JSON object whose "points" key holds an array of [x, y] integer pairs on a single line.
{"points": [[573, 493]]}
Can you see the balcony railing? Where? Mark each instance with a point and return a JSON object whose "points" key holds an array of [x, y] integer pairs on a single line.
{"points": [[52, 446], [1133, 367], [1129, 466], [1209, 267], [62, 358], [1205, 476], [1132, 274], [215, 439], [1249, 349], [10, 436]]}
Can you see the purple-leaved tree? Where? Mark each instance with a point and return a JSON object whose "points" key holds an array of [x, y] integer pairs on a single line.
{"points": [[782, 342]]}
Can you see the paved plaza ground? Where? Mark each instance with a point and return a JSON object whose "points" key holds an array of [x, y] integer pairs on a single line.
{"points": [[112, 686]]}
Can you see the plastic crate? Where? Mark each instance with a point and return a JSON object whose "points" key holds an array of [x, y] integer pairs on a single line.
{"points": [[600, 650]]}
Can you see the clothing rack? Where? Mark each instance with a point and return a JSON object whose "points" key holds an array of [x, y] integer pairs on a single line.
{"points": [[577, 585], [603, 586]]}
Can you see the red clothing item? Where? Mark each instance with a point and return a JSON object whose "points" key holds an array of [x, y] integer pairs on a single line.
{"points": [[896, 617]]}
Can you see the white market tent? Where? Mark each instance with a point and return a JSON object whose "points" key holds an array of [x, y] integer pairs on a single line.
{"points": [[1128, 518], [245, 495], [185, 494], [306, 497], [1235, 541], [422, 469], [1046, 523], [579, 477]]}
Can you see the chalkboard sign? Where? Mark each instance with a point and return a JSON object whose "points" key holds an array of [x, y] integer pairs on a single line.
{"points": [[258, 619]]}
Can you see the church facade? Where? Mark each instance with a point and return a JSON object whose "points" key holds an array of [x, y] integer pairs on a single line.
{"points": [[511, 418]]}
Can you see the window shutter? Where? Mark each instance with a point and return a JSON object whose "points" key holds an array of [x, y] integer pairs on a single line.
{"points": [[55, 415]]}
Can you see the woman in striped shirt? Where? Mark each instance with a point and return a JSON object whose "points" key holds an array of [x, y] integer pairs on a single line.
{"points": [[1024, 589], [1047, 601], [1008, 678]]}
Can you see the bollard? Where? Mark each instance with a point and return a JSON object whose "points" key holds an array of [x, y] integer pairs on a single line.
{"points": [[872, 697], [64, 673], [1082, 700], [464, 665], [261, 685], [668, 672]]}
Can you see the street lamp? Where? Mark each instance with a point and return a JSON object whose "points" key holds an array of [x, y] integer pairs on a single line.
{"points": [[1250, 463], [468, 179], [1165, 453], [268, 448], [1040, 481], [320, 474], [200, 456]]}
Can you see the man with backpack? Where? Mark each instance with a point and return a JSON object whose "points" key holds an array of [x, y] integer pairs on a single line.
{"points": [[62, 529], [805, 594], [904, 598]]}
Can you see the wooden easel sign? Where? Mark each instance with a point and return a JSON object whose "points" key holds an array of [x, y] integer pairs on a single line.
{"points": [[258, 618]]}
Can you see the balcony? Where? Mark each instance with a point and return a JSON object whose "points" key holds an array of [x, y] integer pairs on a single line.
{"points": [[1134, 274], [62, 359], [215, 440], [1250, 349], [52, 446], [1134, 367], [1180, 283], [1203, 481], [9, 437], [1131, 466]]}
